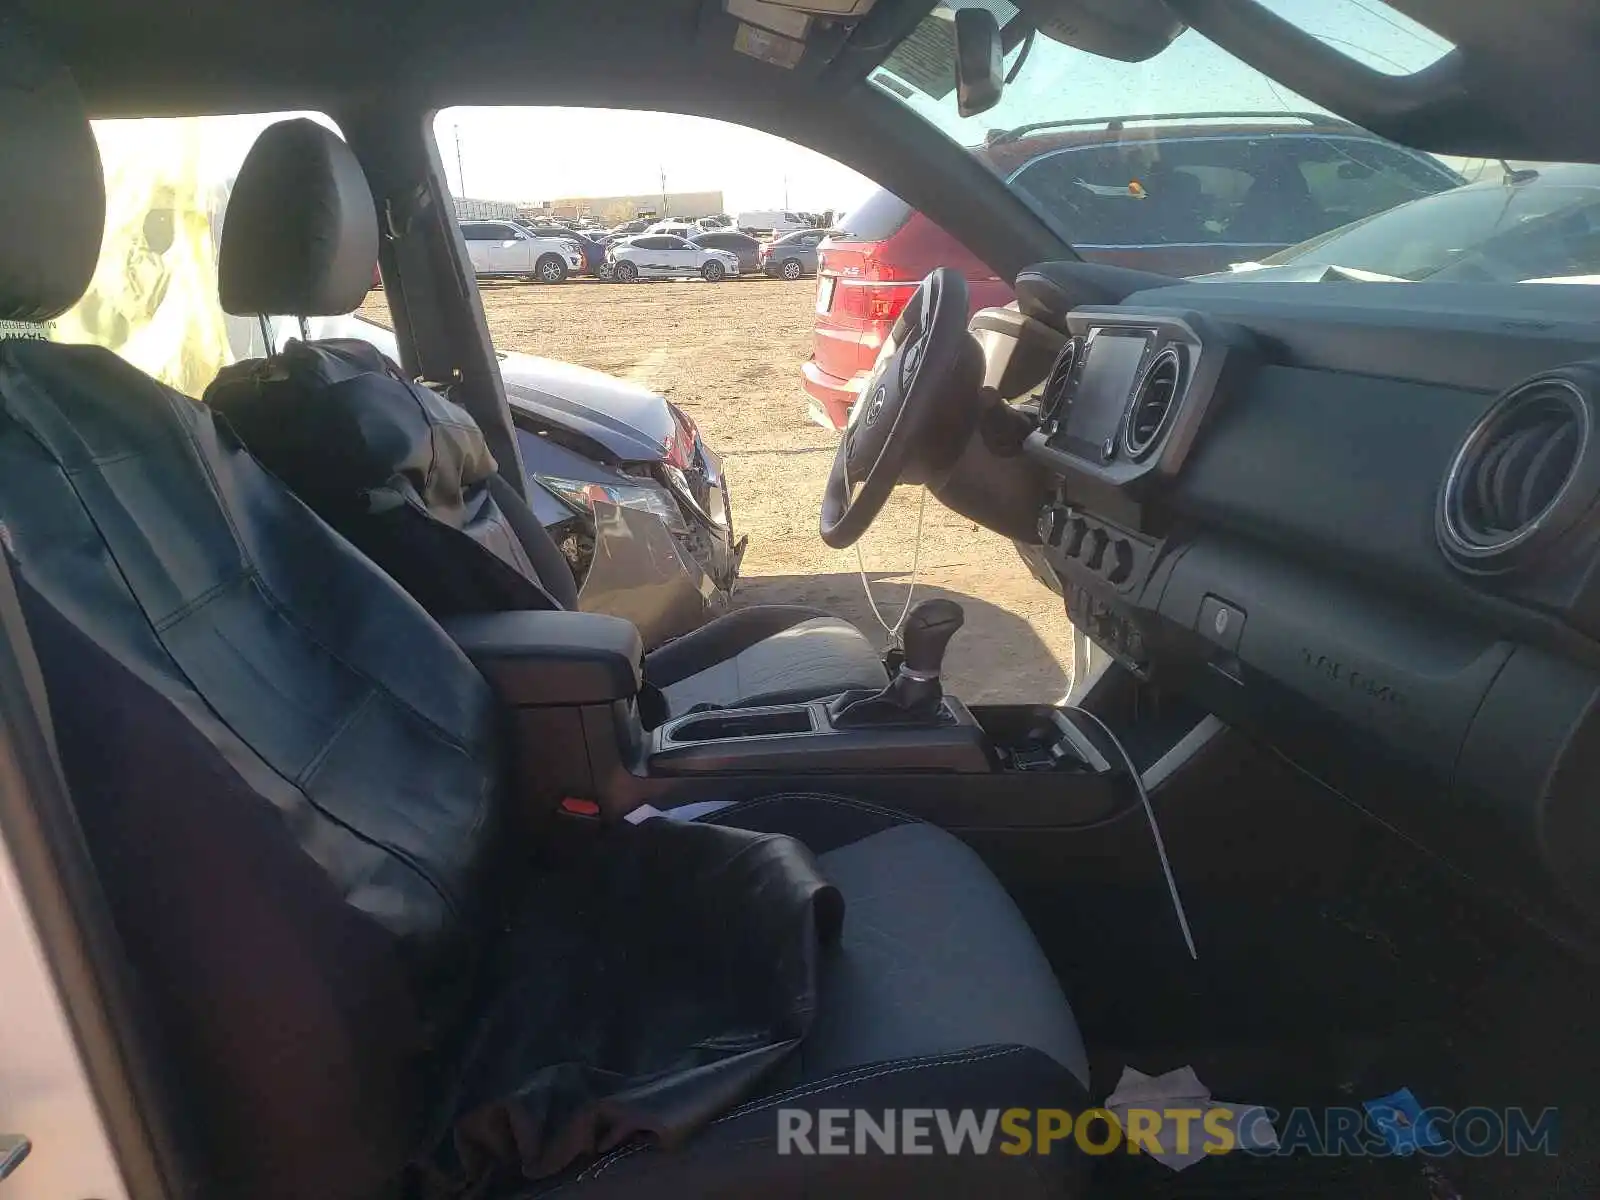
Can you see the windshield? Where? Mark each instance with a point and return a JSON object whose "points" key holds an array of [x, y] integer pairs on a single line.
{"points": [[1192, 163]]}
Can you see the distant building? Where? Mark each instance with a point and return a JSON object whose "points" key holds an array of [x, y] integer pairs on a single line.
{"points": [[613, 209], [484, 210]]}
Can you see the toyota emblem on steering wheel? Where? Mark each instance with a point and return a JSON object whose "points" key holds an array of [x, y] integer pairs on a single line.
{"points": [[875, 408]]}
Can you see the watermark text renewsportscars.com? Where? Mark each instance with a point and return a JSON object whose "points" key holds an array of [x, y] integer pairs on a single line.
{"points": [[1217, 1129]]}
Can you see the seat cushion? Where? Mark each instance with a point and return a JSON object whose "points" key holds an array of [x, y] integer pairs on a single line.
{"points": [[935, 955], [766, 654], [937, 997]]}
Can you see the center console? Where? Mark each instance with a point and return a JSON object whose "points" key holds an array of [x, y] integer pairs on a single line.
{"points": [[803, 739], [569, 686]]}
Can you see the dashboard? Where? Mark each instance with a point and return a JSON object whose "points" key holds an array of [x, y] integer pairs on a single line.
{"points": [[1360, 521]]}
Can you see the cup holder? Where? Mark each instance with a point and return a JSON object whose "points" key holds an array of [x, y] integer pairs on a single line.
{"points": [[724, 726]]}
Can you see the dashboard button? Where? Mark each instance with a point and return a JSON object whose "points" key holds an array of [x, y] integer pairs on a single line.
{"points": [[1121, 564], [1222, 622], [1095, 548], [1073, 543]]}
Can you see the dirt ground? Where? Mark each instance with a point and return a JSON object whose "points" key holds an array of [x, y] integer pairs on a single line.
{"points": [[729, 354]]}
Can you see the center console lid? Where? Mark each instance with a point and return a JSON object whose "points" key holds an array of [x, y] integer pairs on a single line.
{"points": [[540, 659]]}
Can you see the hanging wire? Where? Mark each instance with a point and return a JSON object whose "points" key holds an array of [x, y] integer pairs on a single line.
{"points": [[916, 564]]}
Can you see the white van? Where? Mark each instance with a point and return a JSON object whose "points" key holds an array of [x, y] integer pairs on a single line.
{"points": [[766, 220]]}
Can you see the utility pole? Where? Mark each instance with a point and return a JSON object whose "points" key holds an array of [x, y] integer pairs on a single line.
{"points": [[785, 191], [664, 212], [461, 171]]}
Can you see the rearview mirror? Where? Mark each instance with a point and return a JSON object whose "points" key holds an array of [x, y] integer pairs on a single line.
{"points": [[980, 61], [1130, 30]]}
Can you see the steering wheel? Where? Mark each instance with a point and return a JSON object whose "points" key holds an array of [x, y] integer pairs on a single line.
{"points": [[915, 412]]}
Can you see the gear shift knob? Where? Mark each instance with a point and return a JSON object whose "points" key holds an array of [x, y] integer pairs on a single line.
{"points": [[914, 696], [927, 634]]}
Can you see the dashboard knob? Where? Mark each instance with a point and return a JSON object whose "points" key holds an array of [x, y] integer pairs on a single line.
{"points": [[1095, 546], [1121, 562]]}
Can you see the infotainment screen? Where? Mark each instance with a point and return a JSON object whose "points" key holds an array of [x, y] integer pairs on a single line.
{"points": [[1110, 367]]}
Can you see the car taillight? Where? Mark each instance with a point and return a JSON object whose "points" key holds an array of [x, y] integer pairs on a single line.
{"points": [[870, 287], [870, 302]]}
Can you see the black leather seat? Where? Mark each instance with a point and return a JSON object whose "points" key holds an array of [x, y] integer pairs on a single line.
{"points": [[289, 781], [300, 238]]}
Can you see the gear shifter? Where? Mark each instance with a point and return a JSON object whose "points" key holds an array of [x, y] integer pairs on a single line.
{"points": [[914, 696]]}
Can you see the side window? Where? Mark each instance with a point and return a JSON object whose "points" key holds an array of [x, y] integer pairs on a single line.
{"points": [[674, 243], [1352, 178], [477, 232], [650, 243], [1207, 185], [1267, 190], [1249, 190], [1092, 195]]}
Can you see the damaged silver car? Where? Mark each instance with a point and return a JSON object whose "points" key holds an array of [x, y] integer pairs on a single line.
{"points": [[621, 479]]}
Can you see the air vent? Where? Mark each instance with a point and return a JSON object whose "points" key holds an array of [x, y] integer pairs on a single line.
{"points": [[1153, 402], [1053, 401], [1522, 477]]}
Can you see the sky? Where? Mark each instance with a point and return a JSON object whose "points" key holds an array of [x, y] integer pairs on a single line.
{"points": [[535, 154]]}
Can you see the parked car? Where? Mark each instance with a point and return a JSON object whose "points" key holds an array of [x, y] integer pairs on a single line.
{"points": [[630, 228], [747, 248], [682, 229], [661, 256], [1174, 196], [505, 248], [867, 270], [1183, 197], [586, 436], [594, 252], [717, 221], [1534, 226], [769, 220], [792, 255]]}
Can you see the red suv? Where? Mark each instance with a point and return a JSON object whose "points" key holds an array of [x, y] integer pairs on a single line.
{"points": [[866, 271], [1176, 195]]}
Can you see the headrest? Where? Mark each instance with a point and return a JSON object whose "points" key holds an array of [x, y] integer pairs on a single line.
{"points": [[52, 194], [300, 237]]}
